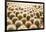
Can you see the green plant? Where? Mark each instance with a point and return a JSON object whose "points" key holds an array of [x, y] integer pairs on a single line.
{"points": [[41, 13], [24, 15], [19, 17], [28, 25], [11, 9], [8, 23], [16, 8], [30, 11], [18, 25], [11, 16], [8, 14], [38, 15], [17, 14], [11, 28], [23, 21], [14, 20], [37, 23], [31, 15], [32, 21], [28, 17], [20, 8]]}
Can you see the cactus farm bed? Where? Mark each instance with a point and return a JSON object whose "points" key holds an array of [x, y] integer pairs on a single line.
{"points": [[24, 16]]}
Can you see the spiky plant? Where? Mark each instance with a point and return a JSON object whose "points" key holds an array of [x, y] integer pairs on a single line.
{"points": [[18, 25], [37, 23], [38, 15], [19, 17], [17, 14], [11, 16], [24, 15], [23, 21], [14, 20], [32, 21], [28, 17], [28, 25], [8, 14]]}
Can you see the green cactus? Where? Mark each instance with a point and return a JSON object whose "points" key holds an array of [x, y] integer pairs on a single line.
{"points": [[37, 23], [24, 15], [19, 17], [11, 16], [17, 14], [11, 28], [28, 25], [8, 23], [28, 17], [8, 14], [23, 21], [20, 8], [18, 25], [14, 20], [31, 15], [32, 21], [41, 13], [38, 15]]}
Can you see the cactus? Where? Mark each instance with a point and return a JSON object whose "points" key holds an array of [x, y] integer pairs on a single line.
{"points": [[11, 16], [28, 25], [17, 13], [24, 15], [14, 20], [18, 25], [28, 17], [37, 23], [38, 15], [19, 17], [24, 21], [32, 21], [8, 14]]}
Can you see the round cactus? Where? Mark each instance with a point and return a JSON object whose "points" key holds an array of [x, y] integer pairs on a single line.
{"points": [[17, 13], [24, 21], [11, 16], [28, 25], [24, 15], [37, 23], [28, 17], [8, 14], [38, 15], [14, 20], [19, 17], [32, 21], [18, 25]]}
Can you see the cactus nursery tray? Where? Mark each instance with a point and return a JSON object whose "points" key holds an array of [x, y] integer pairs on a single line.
{"points": [[24, 15]]}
